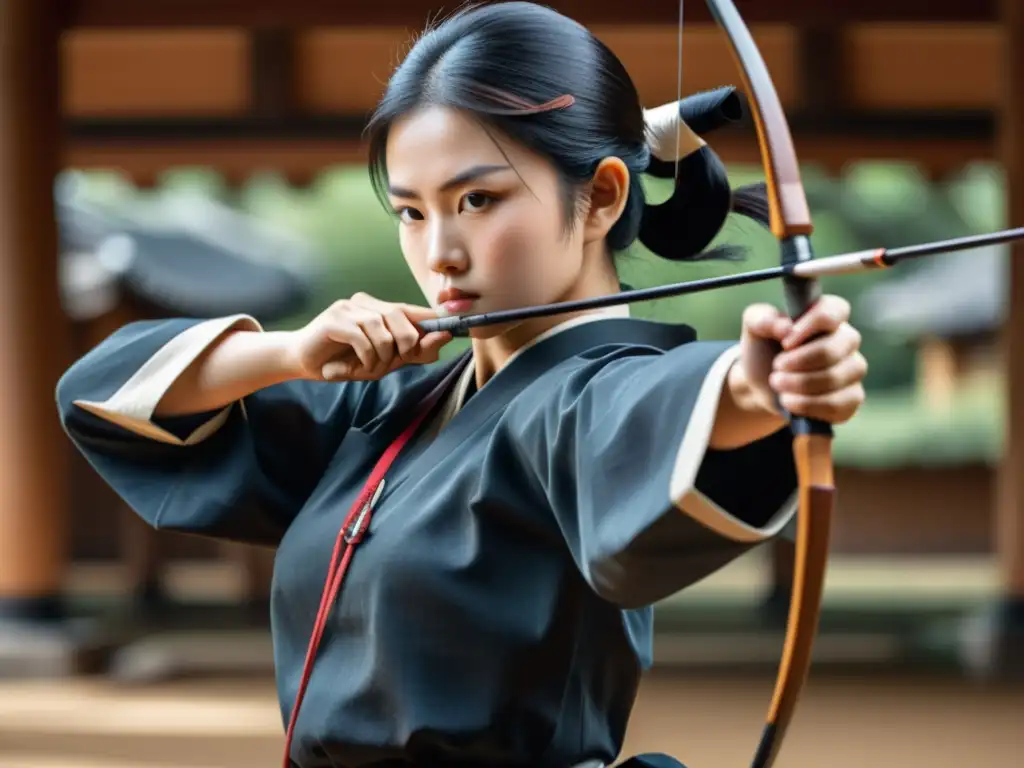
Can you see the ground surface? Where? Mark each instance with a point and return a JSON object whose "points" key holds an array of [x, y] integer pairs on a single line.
{"points": [[710, 722]]}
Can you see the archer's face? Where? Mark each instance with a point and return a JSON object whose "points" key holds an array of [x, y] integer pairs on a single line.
{"points": [[479, 215]]}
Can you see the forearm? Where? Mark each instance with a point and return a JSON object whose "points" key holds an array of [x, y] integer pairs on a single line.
{"points": [[236, 365], [742, 417]]}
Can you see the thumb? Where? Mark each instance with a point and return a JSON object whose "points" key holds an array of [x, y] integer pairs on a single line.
{"points": [[764, 321], [417, 314], [430, 346]]}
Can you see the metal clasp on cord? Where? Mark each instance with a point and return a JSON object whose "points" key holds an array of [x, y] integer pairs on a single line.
{"points": [[359, 526]]}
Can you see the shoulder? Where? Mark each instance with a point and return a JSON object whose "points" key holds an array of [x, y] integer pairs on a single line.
{"points": [[615, 350], [617, 366], [361, 404]]}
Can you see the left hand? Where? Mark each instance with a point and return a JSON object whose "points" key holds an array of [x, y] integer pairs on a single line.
{"points": [[819, 378]]}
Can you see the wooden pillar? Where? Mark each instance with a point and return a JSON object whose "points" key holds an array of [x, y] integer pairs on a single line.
{"points": [[1010, 513], [995, 649], [33, 328]]}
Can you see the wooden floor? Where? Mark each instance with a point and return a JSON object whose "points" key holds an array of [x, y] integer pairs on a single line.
{"points": [[709, 722]]}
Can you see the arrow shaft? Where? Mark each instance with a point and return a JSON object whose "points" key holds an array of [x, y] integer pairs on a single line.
{"points": [[841, 264]]}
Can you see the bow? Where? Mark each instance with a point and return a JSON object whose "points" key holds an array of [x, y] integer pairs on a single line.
{"points": [[812, 440]]}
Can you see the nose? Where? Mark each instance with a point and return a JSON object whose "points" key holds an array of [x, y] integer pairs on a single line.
{"points": [[446, 254]]}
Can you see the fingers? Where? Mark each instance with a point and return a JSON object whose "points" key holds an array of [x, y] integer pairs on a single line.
{"points": [[826, 316], [849, 370], [766, 322], [820, 372], [352, 340], [375, 337], [430, 346], [822, 352], [399, 321], [836, 407]]}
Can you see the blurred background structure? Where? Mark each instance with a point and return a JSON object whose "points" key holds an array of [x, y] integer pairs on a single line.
{"points": [[166, 157]]}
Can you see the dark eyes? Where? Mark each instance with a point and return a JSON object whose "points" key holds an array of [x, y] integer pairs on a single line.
{"points": [[476, 200], [407, 215], [472, 202]]}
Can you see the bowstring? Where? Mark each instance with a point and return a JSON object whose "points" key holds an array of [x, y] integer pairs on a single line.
{"points": [[679, 85]]}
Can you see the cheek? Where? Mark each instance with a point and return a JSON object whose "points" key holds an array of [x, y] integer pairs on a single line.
{"points": [[524, 244], [414, 253]]}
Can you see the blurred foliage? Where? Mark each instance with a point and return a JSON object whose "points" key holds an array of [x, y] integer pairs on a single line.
{"points": [[897, 428], [874, 204]]}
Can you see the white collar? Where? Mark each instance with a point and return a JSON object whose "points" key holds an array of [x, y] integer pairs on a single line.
{"points": [[466, 377], [605, 313]]}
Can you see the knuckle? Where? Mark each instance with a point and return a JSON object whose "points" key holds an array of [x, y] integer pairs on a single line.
{"points": [[754, 312], [842, 306], [855, 335], [861, 365], [804, 385], [373, 321]]}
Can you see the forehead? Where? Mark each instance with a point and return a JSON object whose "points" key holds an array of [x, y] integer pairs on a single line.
{"points": [[428, 146]]}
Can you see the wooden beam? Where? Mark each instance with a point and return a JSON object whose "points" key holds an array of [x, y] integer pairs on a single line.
{"points": [[368, 57], [303, 159], [231, 71], [414, 13], [649, 53], [923, 66], [161, 72]]}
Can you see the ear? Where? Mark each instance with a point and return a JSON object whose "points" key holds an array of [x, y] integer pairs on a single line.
{"points": [[609, 191]]}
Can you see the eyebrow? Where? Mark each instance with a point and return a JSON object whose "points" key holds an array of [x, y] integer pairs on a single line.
{"points": [[470, 174]]}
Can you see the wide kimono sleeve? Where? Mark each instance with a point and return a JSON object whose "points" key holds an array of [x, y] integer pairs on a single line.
{"points": [[646, 507], [241, 473]]}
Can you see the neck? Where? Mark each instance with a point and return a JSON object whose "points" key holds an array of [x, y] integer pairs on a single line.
{"points": [[492, 353]]}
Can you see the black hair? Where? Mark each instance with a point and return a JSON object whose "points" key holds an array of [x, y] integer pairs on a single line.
{"points": [[548, 83]]}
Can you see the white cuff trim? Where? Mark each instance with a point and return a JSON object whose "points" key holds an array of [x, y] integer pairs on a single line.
{"points": [[692, 450], [132, 406], [706, 512]]}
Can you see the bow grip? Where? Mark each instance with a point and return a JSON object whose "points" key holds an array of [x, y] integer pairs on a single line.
{"points": [[801, 294]]}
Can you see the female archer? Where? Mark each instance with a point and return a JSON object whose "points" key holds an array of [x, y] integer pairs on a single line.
{"points": [[539, 493]]}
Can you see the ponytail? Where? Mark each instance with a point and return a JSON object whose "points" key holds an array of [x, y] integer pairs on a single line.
{"points": [[682, 227]]}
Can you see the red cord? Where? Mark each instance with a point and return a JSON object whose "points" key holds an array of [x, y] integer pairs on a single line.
{"points": [[357, 522]]}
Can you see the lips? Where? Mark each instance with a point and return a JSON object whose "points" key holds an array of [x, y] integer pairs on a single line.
{"points": [[453, 300], [454, 294]]}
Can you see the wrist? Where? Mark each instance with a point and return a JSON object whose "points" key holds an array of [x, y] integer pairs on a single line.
{"points": [[263, 357], [282, 350]]}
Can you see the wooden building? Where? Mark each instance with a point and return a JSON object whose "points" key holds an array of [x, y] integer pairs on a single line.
{"points": [[264, 84], [951, 311]]}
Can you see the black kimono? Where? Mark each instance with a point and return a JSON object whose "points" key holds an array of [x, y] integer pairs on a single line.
{"points": [[499, 611]]}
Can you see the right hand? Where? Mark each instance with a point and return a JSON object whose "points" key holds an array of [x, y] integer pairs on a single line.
{"points": [[363, 338]]}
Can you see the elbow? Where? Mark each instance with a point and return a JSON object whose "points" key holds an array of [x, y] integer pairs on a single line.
{"points": [[637, 578]]}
